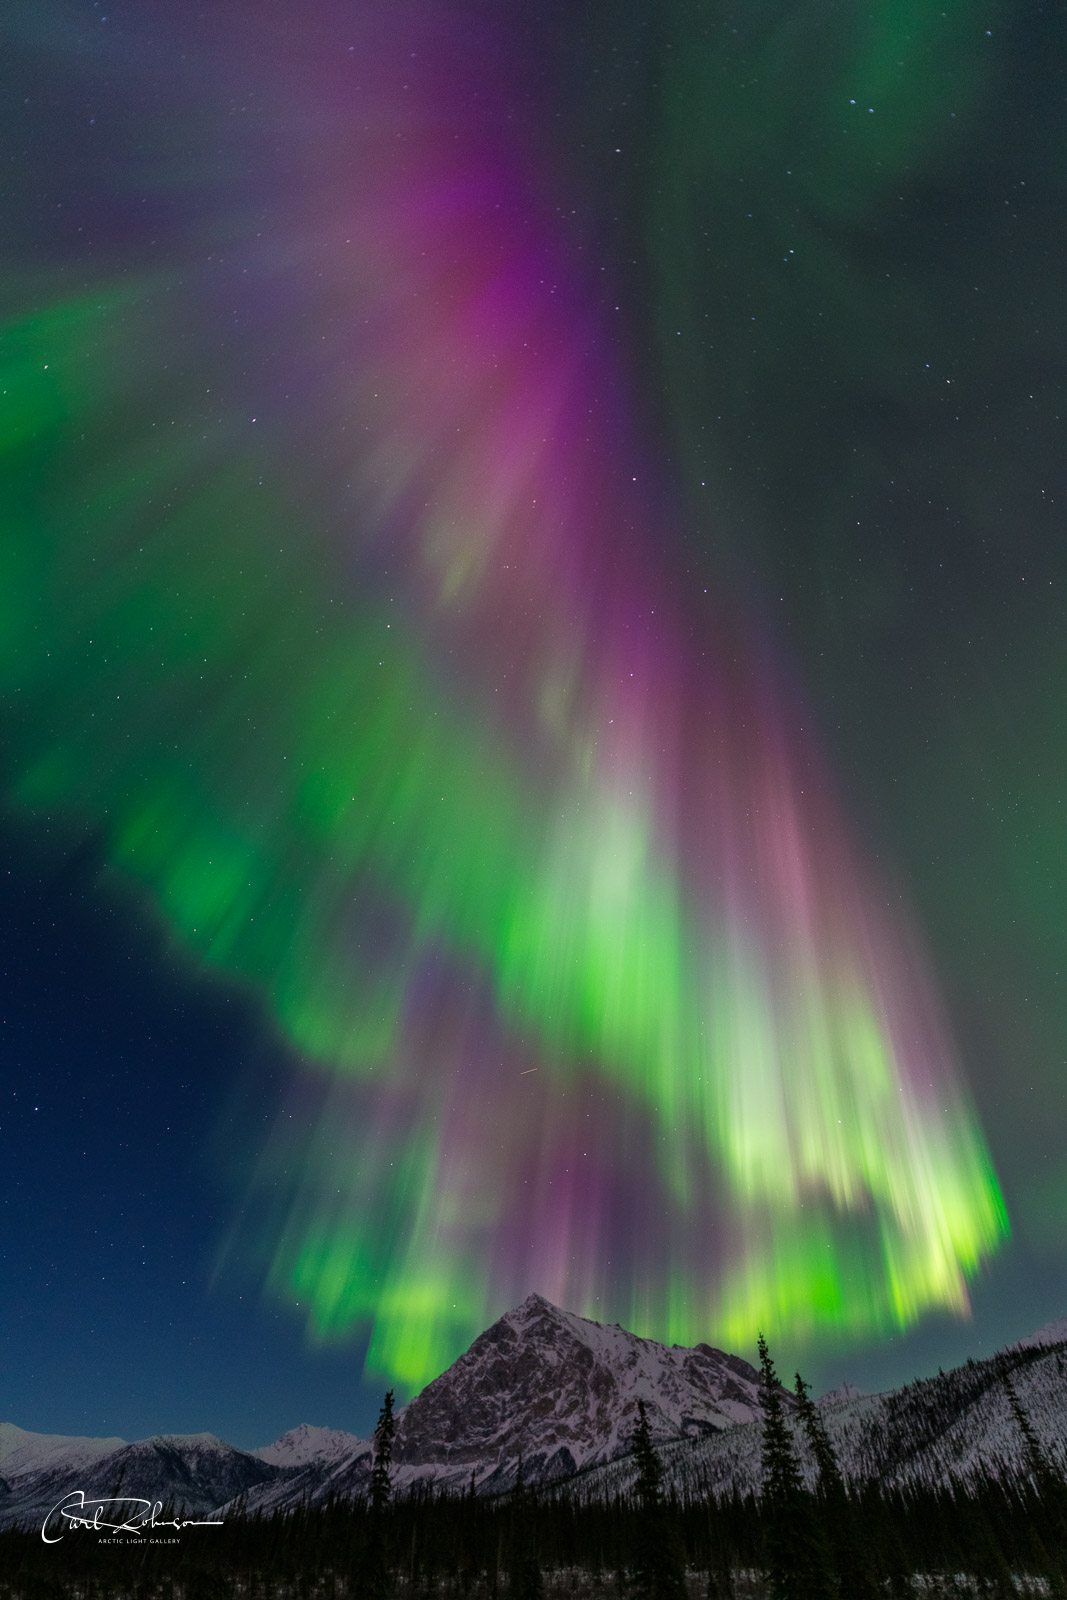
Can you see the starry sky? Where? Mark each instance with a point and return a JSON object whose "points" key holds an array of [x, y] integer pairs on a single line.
{"points": [[531, 733]]}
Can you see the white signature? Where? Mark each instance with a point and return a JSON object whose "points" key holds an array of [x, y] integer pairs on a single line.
{"points": [[142, 1515]]}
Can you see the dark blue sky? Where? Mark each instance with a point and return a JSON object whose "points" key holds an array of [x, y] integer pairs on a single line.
{"points": [[123, 1075]]}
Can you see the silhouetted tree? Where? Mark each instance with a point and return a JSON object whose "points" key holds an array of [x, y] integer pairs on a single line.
{"points": [[657, 1571], [381, 1478], [796, 1562], [850, 1565], [375, 1578], [829, 1480]]}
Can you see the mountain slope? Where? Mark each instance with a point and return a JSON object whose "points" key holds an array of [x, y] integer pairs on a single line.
{"points": [[951, 1427], [554, 1389], [306, 1444], [21, 1451], [561, 1392], [197, 1472]]}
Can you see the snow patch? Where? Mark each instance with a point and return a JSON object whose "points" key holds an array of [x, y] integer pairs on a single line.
{"points": [[307, 1443], [22, 1451]]}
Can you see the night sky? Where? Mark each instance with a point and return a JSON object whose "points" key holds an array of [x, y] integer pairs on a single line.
{"points": [[532, 721]]}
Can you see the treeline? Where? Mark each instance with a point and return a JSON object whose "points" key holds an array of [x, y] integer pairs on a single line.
{"points": [[438, 1546], [435, 1546], [1000, 1534]]}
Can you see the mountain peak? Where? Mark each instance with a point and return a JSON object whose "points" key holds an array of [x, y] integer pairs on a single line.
{"points": [[843, 1393], [536, 1302], [309, 1443], [561, 1391]]}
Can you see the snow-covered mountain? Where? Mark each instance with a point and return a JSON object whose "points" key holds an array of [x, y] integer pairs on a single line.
{"points": [[542, 1385], [197, 1472], [561, 1393], [306, 1443], [29, 1452]]}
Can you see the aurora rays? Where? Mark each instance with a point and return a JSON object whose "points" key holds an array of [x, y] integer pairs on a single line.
{"points": [[339, 602]]}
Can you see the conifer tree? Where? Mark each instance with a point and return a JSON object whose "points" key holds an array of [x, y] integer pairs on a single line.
{"points": [[375, 1579], [829, 1481], [796, 1566], [840, 1541], [381, 1481], [657, 1572]]}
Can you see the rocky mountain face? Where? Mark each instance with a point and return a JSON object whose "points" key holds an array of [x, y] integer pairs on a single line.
{"points": [[561, 1393]]}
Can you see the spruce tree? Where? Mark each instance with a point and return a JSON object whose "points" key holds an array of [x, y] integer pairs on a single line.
{"points": [[657, 1571], [796, 1565], [829, 1481], [381, 1481], [375, 1578], [839, 1535]]}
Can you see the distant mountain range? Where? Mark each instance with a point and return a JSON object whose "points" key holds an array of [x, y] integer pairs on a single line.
{"points": [[196, 1471], [560, 1393]]}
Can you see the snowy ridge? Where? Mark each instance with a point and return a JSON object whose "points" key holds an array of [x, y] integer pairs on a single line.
{"points": [[22, 1452], [936, 1431], [1051, 1333], [306, 1443], [560, 1393], [197, 1472], [841, 1395]]}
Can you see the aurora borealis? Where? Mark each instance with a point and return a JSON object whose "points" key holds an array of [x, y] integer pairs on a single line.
{"points": [[382, 612]]}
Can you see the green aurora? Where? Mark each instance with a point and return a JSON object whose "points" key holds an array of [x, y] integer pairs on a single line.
{"points": [[276, 708]]}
